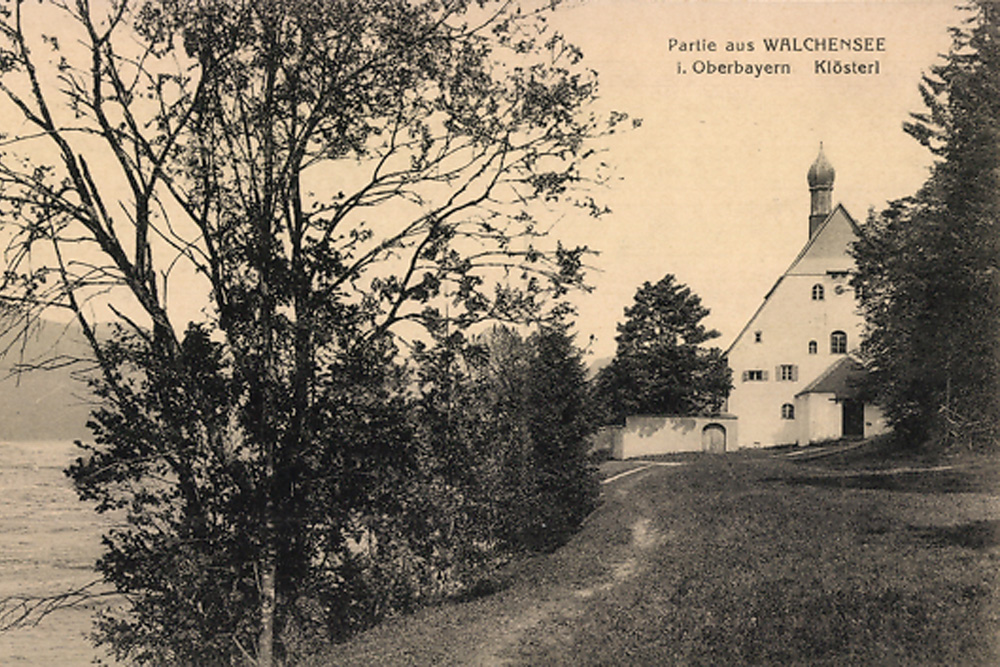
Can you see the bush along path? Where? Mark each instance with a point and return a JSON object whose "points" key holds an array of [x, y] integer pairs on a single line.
{"points": [[740, 560]]}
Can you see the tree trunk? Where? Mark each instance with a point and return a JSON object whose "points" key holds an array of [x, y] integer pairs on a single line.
{"points": [[265, 650]]}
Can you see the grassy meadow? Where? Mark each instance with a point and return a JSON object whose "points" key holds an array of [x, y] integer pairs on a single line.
{"points": [[871, 557]]}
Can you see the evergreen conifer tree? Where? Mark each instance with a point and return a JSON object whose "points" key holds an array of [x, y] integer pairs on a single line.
{"points": [[929, 265]]}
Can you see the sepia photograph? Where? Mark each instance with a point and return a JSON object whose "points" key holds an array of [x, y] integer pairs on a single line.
{"points": [[499, 332]]}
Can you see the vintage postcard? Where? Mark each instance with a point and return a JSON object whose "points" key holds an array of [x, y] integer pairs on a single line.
{"points": [[283, 475]]}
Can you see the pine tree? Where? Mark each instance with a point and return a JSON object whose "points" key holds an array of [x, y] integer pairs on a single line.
{"points": [[929, 265], [556, 410], [661, 365]]}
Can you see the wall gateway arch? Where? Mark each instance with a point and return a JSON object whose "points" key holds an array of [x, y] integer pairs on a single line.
{"points": [[713, 438]]}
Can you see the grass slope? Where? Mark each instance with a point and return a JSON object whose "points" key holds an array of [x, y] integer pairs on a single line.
{"points": [[742, 559]]}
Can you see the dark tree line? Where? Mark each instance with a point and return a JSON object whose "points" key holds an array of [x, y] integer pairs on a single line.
{"points": [[929, 265], [507, 417]]}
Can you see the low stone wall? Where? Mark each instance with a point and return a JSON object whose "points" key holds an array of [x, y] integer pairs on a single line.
{"points": [[651, 435]]}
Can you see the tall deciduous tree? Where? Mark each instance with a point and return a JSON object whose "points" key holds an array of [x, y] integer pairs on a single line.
{"points": [[323, 172], [929, 265], [661, 365]]}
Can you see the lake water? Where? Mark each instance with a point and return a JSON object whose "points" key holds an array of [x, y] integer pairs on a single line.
{"points": [[49, 542]]}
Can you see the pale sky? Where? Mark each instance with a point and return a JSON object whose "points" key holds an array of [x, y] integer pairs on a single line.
{"points": [[713, 184]]}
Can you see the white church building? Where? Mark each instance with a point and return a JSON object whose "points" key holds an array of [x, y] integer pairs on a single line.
{"points": [[794, 376], [795, 379]]}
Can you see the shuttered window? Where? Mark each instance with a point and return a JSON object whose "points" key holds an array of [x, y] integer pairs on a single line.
{"points": [[787, 373]]}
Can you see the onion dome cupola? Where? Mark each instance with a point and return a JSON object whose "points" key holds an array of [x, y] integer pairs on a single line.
{"points": [[821, 173], [820, 177]]}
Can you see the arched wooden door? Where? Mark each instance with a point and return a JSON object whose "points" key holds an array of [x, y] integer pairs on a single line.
{"points": [[713, 439]]}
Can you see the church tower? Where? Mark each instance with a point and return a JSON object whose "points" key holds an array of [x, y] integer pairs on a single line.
{"points": [[793, 370], [820, 177]]}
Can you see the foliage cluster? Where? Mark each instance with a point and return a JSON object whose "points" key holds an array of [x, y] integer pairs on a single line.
{"points": [[506, 417], [425, 482], [929, 265], [325, 176], [661, 365]]}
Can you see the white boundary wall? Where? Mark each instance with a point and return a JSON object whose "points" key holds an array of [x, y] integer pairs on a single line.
{"points": [[651, 435]]}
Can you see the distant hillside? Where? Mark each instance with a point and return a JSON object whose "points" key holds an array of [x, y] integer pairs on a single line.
{"points": [[43, 404]]}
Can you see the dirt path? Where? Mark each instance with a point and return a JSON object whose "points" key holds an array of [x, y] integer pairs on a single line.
{"points": [[499, 648], [564, 604]]}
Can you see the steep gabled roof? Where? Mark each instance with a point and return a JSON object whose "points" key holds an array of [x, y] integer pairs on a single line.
{"points": [[802, 253], [816, 238], [842, 379]]}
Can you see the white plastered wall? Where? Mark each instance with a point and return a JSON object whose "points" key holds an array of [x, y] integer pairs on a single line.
{"points": [[787, 321]]}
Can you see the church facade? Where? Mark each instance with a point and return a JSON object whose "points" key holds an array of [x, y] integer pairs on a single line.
{"points": [[794, 375]]}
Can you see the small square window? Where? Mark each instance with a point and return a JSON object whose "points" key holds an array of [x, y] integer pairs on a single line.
{"points": [[788, 373], [758, 336], [754, 376]]}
